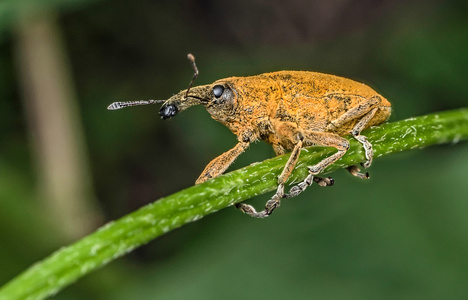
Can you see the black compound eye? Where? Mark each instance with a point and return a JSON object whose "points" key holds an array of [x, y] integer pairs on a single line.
{"points": [[218, 90]]}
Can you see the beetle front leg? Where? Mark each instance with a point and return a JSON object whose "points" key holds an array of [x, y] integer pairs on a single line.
{"points": [[218, 165]]}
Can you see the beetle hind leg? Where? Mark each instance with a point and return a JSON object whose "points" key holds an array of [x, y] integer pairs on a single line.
{"points": [[364, 113], [355, 171], [369, 152]]}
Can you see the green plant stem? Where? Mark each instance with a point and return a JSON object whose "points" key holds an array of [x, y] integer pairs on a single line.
{"points": [[119, 237]]}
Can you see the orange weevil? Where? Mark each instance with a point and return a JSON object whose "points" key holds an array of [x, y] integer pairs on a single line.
{"points": [[289, 110]]}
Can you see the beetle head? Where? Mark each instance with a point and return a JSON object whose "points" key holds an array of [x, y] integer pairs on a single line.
{"points": [[218, 98]]}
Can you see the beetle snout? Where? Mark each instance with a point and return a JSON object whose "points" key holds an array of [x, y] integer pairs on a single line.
{"points": [[168, 111]]}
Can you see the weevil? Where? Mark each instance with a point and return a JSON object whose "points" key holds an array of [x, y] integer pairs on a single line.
{"points": [[289, 110]]}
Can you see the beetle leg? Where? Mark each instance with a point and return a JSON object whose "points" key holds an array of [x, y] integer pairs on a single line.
{"points": [[354, 170], [322, 139], [317, 138], [328, 181], [275, 201], [301, 186], [365, 112], [355, 113], [218, 165], [356, 132], [326, 139], [270, 206]]}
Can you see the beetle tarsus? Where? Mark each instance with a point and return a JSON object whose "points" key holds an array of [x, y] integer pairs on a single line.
{"points": [[275, 201], [270, 206], [355, 171], [327, 181], [303, 185], [300, 187], [369, 152]]}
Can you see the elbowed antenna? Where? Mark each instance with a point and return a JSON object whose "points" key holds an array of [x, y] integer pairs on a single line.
{"points": [[167, 113], [119, 105]]}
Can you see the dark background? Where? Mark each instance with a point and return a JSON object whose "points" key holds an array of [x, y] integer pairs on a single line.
{"points": [[401, 235]]}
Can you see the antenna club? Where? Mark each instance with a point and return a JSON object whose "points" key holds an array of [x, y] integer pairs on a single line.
{"points": [[114, 106], [119, 105]]}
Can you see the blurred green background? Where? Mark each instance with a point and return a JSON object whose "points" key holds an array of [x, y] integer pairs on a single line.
{"points": [[67, 165]]}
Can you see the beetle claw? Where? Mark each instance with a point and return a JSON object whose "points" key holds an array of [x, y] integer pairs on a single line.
{"points": [[355, 171]]}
